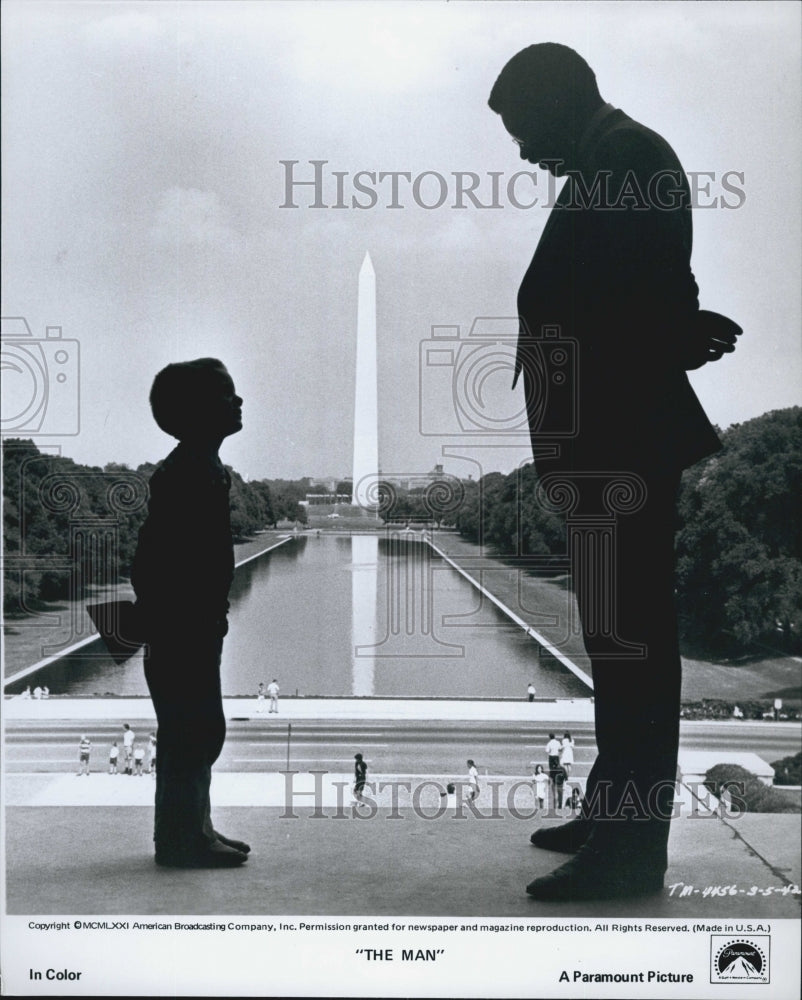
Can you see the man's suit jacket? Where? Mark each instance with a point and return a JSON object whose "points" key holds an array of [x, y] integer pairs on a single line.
{"points": [[604, 306]]}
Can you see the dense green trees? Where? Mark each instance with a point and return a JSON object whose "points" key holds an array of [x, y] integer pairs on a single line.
{"points": [[67, 526], [739, 537], [739, 543], [286, 496], [437, 503], [504, 512]]}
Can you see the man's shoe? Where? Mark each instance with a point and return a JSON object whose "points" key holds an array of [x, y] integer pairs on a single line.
{"points": [[568, 837], [215, 855], [238, 845], [595, 875]]}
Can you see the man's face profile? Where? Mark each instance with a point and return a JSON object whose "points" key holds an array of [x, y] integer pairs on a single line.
{"points": [[539, 139]]}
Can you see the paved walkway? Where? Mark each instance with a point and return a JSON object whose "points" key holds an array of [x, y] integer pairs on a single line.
{"points": [[412, 855], [487, 710], [403, 860]]}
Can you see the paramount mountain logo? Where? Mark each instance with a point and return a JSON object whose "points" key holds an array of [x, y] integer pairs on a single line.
{"points": [[739, 960]]}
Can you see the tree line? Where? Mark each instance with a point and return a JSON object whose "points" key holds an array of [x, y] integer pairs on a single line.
{"points": [[67, 527], [738, 539]]}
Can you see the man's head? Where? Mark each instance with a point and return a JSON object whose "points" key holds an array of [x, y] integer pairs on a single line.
{"points": [[196, 400], [545, 95]]}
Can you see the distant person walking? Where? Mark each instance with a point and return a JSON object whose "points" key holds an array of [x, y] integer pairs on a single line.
{"points": [[575, 802], [83, 756], [448, 798], [553, 748], [567, 753], [530, 691], [473, 781], [558, 778], [114, 753], [152, 754], [360, 776], [541, 782], [128, 747], [260, 697], [272, 693]]}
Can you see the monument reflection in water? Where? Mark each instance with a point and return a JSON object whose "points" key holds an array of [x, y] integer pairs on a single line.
{"points": [[376, 615], [368, 615]]}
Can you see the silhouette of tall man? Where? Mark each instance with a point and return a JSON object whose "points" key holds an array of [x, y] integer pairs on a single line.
{"points": [[610, 321], [182, 572]]}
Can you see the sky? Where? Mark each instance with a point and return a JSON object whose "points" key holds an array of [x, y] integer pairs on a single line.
{"points": [[146, 212]]}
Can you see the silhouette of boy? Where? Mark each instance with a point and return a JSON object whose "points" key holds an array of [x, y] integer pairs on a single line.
{"points": [[182, 572]]}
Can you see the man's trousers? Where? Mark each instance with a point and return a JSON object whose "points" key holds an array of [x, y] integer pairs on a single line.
{"points": [[623, 578]]}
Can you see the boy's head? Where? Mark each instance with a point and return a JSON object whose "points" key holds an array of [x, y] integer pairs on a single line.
{"points": [[196, 400]]}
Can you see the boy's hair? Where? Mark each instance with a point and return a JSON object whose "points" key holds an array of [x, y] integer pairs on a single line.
{"points": [[180, 392]]}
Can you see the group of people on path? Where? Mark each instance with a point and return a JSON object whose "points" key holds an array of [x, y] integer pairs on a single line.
{"points": [[38, 692], [560, 755], [134, 755]]}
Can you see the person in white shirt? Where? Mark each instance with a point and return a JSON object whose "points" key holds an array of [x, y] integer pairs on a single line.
{"points": [[128, 747], [567, 753], [553, 748], [272, 692], [84, 747], [541, 782], [448, 798], [473, 781]]}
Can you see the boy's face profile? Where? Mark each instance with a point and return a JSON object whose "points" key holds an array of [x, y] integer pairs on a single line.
{"points": [[225, 405], [220, 409]]}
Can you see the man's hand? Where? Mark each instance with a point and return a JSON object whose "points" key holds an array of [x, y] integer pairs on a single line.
{"points": [[710, 336]]}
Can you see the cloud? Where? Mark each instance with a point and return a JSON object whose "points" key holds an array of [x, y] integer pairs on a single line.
{"points": [[193, 218]]}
